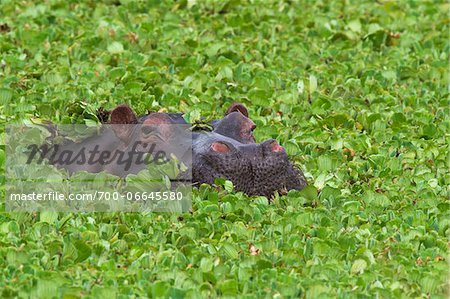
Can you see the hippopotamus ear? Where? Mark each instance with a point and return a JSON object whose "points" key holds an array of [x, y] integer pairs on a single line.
{"points": [[236, 126], [122, 115], [237, 107]]}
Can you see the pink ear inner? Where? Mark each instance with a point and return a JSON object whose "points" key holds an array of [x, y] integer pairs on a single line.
{"points": [[276, 147], [220, 147]]}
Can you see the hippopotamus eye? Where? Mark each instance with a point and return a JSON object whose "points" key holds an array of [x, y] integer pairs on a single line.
{"points": [[148, 130], [220, 147]]}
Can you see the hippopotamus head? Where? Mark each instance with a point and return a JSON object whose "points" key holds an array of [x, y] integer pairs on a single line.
{"points": [[164, 131], [230, 152]]}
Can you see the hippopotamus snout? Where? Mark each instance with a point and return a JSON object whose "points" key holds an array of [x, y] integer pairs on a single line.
{"points": [[255, 169], [274, 171]]}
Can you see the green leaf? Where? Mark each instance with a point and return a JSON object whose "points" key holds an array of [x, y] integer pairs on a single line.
{"points": [[309, 192], [355, 25], [228, 186], [5, 96], [49, 217], [115, 48], [312, 83], [230, 251], [83, 251], [358, 266], [206, 264]]}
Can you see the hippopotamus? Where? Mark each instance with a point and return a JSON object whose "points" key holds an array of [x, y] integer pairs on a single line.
{"points": [[228, 150]]}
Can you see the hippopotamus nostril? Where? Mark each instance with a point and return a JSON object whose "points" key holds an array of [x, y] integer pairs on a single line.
{"points": [[276, 147], [272, 146]]}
